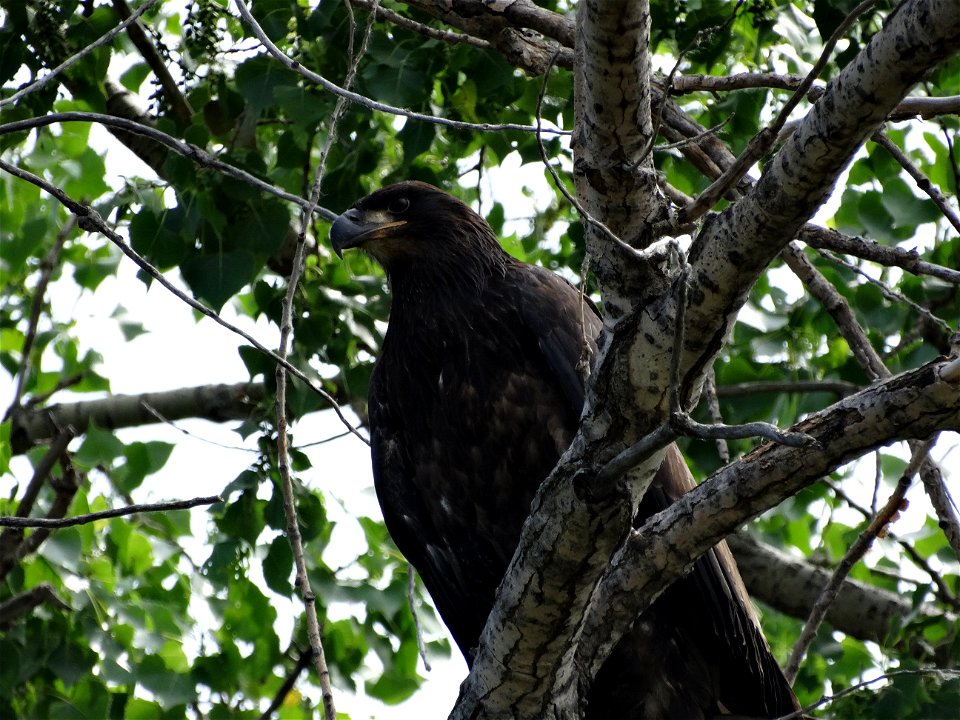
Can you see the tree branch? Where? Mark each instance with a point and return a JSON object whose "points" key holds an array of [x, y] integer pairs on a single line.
{"points": [[914, 404], [316, 79], [12, 609], [909, 260], [218, 403], [791, 586], [56, 523], [738, 244], [182, 111]]}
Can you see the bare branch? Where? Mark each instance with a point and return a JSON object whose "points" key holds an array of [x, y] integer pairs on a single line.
{"points": [[55, 523], [66, 487], [792, 585], [12, 609], [192, 152], [944, 593], [181, 107], [713, 405], [688, 426], [47, 266], [740, 81], [942, 673], [286, 330], [926, 107], [836, 387], [433, 33], [923, 182], [909, 260], [218, 403], [913, 404], [839, 309], [11, 539], [889, 293], [287, 685], [943, 504]]}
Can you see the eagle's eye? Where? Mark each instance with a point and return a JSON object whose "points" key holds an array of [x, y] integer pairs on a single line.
{"points": [[398, 206]]}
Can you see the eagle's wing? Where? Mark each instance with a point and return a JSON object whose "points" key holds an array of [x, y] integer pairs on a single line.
{"points": [[565, 325], [455, 594], [731, 634]]}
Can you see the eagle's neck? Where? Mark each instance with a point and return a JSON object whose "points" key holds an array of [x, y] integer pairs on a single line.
{"points": [[447, 281]]}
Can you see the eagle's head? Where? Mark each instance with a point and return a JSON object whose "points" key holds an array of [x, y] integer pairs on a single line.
{"points": [[415, 226]]}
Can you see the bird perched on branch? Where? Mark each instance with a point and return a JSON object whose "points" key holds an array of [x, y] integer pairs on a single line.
{"points": [[477, 392]]}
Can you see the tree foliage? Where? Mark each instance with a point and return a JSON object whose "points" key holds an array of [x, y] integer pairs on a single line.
{"points": [[120, 618]]}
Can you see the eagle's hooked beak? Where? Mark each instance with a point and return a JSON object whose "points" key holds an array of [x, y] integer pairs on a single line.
{"points": [[354, 228]]}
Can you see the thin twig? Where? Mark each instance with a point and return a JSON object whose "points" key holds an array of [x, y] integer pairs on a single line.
{"points": [[412, 602], [47, 266], [836, 387], [875, 529], [713, 405], [158, 65], [53, 523], [91, 221], [40, 474], [942, 591], [686, 425], [634, 455], [433, 33], [943, 504], [657, 115], [287, 685], [286, 330], [582, 211], [161, 418], [941, 672], [888, 292], [76, 57], [923, 182], [17, 606], [838, 308], [313, 77]]}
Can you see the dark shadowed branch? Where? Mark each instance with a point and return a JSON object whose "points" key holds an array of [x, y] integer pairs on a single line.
{"points": [[56, 523], [14, 608]]}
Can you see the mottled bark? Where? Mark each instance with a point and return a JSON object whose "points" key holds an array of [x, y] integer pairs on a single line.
{"points": [[218, 403]]}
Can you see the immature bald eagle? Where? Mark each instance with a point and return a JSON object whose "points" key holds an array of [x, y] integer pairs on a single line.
{"points": [[477, 391]]}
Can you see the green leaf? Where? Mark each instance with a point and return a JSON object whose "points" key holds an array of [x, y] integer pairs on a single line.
{"points": [[258, 77], [98, 447], [278, 565], [216, 278], [142, 459], [169, 687], [416, 138]]}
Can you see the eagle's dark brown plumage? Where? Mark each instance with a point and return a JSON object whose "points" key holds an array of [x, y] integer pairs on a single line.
{"points": [[476, 393]]}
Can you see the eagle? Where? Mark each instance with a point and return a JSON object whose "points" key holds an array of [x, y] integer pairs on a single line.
{"points": [[477, 391]]}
